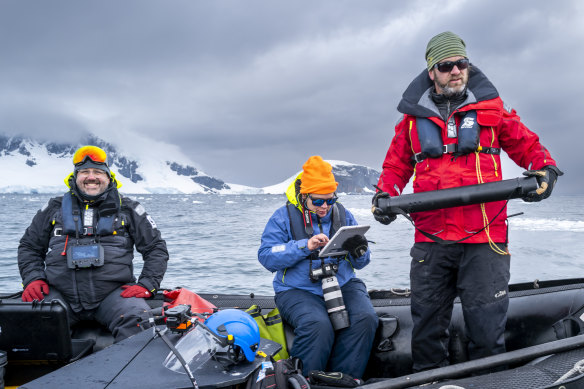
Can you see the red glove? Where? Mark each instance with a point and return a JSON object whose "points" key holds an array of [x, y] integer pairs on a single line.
{"points": [[36, 290], [135, 291]]}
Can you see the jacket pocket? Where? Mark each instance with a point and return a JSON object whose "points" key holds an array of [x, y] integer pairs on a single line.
{"points": [[420, 270]]}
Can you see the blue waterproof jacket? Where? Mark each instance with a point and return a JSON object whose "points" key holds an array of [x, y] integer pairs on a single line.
{"points": [[280, 253]]}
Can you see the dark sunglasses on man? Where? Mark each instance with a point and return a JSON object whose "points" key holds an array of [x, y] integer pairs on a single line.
{"points": [[447, 66], [320, 202]]}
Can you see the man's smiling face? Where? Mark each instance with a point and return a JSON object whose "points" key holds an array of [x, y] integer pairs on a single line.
{"points": [[92, 181]]}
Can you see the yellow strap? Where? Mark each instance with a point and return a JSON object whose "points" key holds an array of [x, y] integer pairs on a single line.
{"points": [[492, 156], [350, 264], [410, 133], [412, 147], [480, 180]]}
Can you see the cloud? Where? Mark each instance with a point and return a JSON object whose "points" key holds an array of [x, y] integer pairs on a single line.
{"points": [[248, 92]]}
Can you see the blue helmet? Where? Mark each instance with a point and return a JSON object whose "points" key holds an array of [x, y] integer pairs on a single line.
{"points": [[243, 328]]}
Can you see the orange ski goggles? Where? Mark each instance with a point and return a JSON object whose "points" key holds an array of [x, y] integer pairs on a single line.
{"points": [[94, 153]]}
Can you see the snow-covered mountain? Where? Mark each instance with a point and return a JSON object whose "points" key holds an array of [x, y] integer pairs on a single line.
{"points": [[351, 178], [30, 166]]}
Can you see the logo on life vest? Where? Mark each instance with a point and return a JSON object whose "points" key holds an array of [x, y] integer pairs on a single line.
{"points": [[467, 123], [500, 293]]}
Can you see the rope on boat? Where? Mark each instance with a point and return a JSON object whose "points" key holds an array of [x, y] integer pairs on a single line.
{"points": [[578, 368], [401, 292]]}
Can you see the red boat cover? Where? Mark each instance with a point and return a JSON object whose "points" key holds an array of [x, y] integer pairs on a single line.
{"points": [[198, 304]]}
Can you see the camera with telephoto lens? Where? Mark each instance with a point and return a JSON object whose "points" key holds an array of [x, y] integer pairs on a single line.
{"points": [[331, 292]]}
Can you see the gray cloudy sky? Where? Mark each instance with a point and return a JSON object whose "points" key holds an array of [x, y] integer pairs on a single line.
{"points": [[249, 89]]}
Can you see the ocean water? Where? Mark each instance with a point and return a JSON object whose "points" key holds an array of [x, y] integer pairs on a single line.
{"points": [[213, 240]]}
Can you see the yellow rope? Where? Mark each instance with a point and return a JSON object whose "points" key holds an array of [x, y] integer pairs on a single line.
{"points": [[480, 180], [412, 147], [492, 156]]}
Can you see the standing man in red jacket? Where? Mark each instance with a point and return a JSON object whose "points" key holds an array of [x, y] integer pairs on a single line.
{"points": [[451, 134]]}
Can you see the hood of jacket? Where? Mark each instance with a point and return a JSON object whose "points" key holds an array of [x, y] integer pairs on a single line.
{"points": [[416, 99], [293, 192], [113, 186]]}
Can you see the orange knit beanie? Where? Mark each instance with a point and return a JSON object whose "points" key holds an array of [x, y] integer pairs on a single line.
{"points": [[317, 177]]}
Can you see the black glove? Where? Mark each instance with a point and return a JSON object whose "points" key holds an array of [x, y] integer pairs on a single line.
{"points": [[356, 246], [378, 213], [546, 178]]}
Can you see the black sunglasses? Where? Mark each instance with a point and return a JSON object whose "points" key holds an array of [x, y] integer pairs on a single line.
{"points": [[320, 202], [447, 66]]}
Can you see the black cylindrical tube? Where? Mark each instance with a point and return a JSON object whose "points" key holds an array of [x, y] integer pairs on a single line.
{"points": [[464, 369], [463, 195]]}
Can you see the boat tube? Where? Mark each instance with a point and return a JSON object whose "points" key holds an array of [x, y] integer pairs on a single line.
{"points": [[454, 197], [543, 339]]}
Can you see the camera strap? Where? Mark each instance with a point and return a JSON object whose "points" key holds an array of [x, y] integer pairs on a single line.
{"points": [[307, 220], [76, 212], [311, 257]]}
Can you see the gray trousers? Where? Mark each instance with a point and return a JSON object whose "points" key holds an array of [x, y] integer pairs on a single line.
{"points": [[119, 314]]}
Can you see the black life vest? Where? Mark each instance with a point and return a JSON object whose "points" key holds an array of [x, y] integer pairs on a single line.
{"points": [[338, 219]]}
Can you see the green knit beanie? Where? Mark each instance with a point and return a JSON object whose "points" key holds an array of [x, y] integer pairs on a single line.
{"points": [[444, 45]]}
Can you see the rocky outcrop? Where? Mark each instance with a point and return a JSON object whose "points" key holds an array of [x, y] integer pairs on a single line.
{"points": [[355, 178], [209, 183]]}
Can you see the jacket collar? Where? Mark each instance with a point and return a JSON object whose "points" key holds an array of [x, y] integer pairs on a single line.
{"points": [[416, 99]]}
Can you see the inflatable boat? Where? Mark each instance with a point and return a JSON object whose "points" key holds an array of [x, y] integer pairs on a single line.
{"points": [[543, 337]]}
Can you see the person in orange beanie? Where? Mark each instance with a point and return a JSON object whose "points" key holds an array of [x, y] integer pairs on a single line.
{"points": [[339, 341]]}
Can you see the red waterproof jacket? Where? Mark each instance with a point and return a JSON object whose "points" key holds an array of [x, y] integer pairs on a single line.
{"points": [[500, 127]]}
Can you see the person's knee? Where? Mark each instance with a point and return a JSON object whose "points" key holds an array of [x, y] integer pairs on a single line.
{"points": [[319, 324], [123, 316], [129, 323], [318, 327], [366, 321]]}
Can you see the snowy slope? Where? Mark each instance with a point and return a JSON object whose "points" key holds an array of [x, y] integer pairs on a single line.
{"points": [[142, 166], [145, 167]]}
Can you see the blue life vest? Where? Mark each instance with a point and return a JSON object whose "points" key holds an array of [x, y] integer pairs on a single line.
{"points": [[72, 223], [468, 133], [430, 137], [468, 137]]}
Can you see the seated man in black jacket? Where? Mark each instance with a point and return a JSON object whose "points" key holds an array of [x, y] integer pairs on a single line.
{"points": [[79, 249]]}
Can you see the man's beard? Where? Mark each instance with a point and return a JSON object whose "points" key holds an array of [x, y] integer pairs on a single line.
{"points": [[449, 91]]}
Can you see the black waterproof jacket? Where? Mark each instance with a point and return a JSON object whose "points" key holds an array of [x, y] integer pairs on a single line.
{"points": [[41, 253]]}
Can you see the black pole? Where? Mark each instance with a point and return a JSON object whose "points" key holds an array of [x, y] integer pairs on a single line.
{"points": [[463, 195], [466, 368]]}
